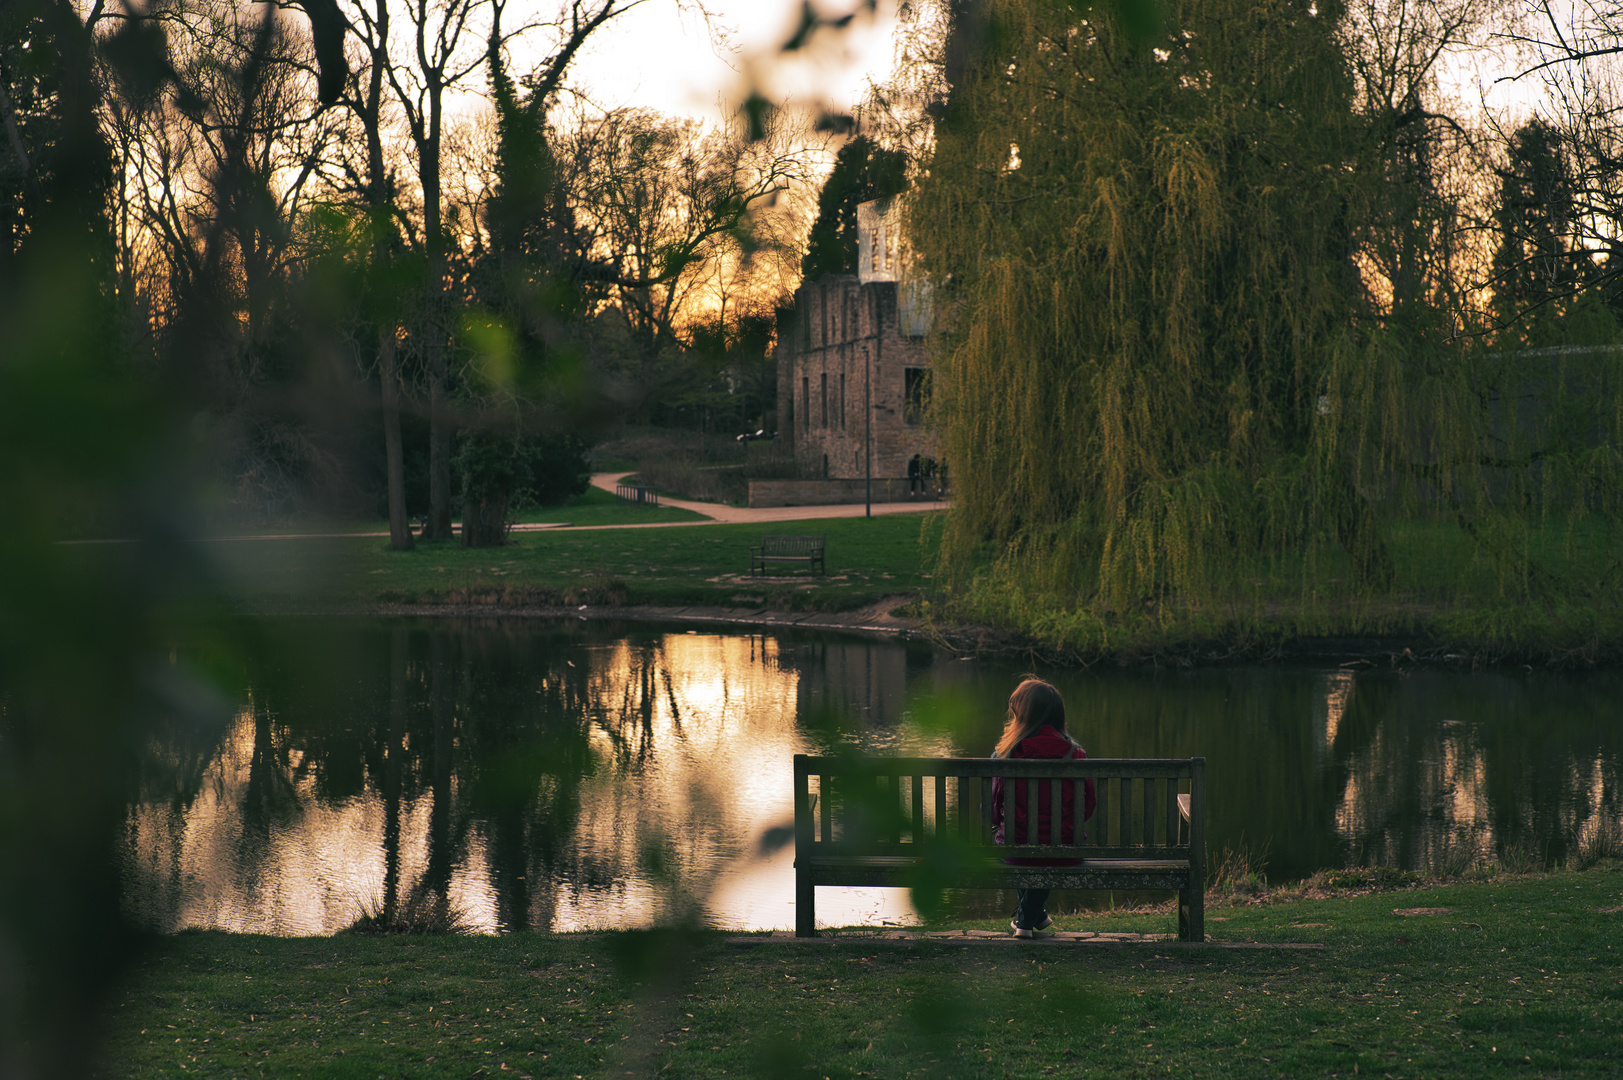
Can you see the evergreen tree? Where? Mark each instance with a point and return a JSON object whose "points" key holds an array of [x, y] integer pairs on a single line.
{"points": [[1536, 266], [863, 170]]}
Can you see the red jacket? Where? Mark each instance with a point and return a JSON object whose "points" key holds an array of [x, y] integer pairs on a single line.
{"points": [[1046, 743]]}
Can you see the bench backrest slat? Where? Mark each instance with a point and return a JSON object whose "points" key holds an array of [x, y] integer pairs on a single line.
{"points": [[880, 805], [917, 785], [791, 545], [969, 811], [989, 767], [1149, 811], [1124, 823]]}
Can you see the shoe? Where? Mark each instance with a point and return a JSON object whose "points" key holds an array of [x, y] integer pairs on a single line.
{"points": [[1047, 921], [1021, 931]]}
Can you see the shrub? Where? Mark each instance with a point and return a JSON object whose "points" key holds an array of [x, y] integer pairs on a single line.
{"points": [[502, 473]]}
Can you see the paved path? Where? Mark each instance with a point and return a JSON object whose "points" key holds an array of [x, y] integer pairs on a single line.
{"points": [[713, 512], [753, 514]]}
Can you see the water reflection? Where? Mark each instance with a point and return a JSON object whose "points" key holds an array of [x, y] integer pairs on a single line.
{"points": [[521, 777], [564, 776], [1437, 769]]}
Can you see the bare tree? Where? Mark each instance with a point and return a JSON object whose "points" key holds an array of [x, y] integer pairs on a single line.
{"points": [[414, 68], [1571, 54], [1421, 159], [221, 160], [679, 221], [217, 156], [371, 179]]}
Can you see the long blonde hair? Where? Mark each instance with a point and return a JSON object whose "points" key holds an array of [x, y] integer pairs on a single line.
{"points": [[1034, 704]]}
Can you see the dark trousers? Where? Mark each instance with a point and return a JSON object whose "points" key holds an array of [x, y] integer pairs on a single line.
{"points": [[1032, 907]]}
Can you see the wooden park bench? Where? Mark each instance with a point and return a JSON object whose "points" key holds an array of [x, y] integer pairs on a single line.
{"points": [[641, 494], [788, 549], [903, 822]]}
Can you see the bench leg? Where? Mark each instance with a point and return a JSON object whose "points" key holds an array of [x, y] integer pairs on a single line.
{"points": [[1192, 913], [805, 907]]}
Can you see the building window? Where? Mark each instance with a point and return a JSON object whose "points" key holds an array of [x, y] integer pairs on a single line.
{"points": [[917, 399], [824, 392], [842, 401], [805, 399]]}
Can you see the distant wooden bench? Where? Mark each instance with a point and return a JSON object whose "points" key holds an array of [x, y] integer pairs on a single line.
{"points": [[641, 494], [902, 821], [788, 549]]}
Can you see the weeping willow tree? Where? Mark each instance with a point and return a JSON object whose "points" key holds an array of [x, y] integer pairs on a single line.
{"points": [[1167, 386]]}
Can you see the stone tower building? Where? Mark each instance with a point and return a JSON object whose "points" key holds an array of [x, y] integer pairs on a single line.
{"points": [[854, 371]]}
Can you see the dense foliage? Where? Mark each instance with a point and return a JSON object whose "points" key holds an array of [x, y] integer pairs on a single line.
{"points": [[1175, 385], [501, 473], [863, 170]]}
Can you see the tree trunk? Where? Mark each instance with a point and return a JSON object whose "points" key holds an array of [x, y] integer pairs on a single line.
{"points": [[484, 522], [1359, 531], [439, 415], [399, 524], [439, 443], [393, 769]]}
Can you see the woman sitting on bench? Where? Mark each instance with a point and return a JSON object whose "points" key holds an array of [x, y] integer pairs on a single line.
{"points": [[1036, 729]]}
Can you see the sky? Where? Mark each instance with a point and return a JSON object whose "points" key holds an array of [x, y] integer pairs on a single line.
{"points": [[656, 56], [661, 57]]}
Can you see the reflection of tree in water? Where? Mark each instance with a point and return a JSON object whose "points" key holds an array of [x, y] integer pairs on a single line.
{"points": [[270, 802], [449, 769], [664, 712], [850, 691], [540, 776], [630, 725], [1437, 769], [522, 755]]}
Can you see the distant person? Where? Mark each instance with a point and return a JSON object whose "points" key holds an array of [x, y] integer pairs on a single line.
{"points": [[915, 477], [1036, 729]]}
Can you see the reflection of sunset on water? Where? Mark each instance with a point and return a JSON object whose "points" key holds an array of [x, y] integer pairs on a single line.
{"points": [[696, 729], [691, 737], [276, 862], [1449, 785], [1428, 757], [567, 776]]}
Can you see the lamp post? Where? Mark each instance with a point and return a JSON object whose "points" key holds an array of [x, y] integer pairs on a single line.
{"points": [[867, 418]]}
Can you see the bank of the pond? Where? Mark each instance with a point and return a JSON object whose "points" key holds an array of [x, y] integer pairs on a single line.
{"points": [[884, 617], [878, 579], [895, 616], [1517, 975]]}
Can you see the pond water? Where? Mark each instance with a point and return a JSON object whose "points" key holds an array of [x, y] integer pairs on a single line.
{"points": [[567, 775]]}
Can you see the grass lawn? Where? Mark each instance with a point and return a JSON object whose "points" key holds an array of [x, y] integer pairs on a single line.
{"points": [[598, 507], [593, 507], [1517, 976], [867, 559]]}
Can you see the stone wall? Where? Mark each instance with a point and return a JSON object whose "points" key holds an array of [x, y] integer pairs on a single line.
{"points": [[830, 492], [843, 376]]}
